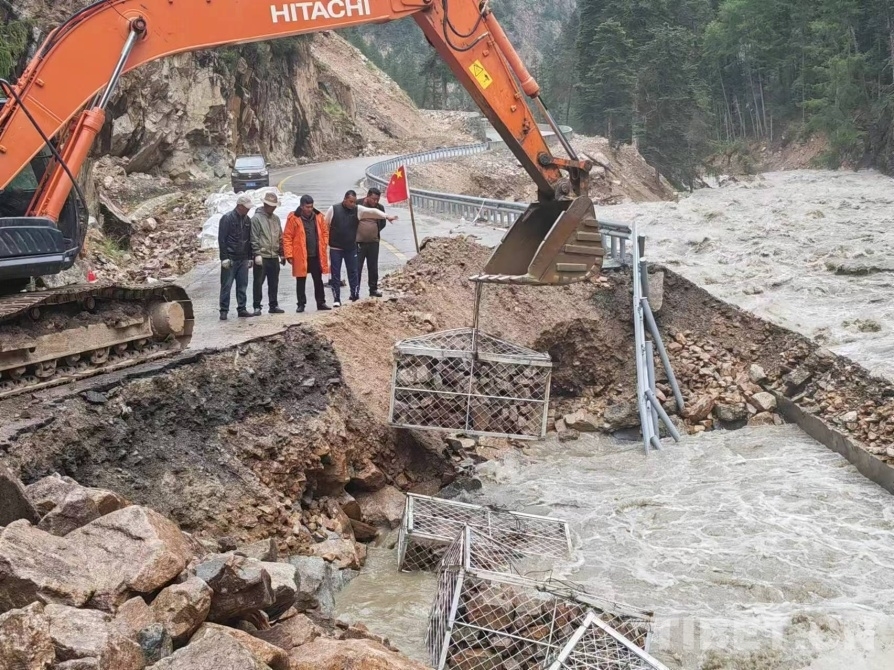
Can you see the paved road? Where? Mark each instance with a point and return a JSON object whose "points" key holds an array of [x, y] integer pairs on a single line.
{"points": [[327, 183]]}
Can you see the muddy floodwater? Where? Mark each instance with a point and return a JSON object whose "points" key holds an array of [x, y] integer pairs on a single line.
{"points": [[756, 548], [810, 250]]}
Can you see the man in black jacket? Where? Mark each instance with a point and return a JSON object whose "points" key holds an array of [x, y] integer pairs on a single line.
{"points": [[234, 241]]}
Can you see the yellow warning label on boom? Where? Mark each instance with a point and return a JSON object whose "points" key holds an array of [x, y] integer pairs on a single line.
{"points": [[478, 71]]}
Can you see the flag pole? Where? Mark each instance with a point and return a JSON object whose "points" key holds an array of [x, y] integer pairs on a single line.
{"points": [[412, 216]]}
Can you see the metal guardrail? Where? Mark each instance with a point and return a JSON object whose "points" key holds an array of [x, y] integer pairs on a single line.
{"points": [[495, 212]]}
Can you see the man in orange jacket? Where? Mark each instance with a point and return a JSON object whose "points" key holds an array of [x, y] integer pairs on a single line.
{"points": [[305, 244]]}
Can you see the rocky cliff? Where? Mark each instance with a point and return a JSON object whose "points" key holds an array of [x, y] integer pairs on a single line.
{"points": [[293, 99]]}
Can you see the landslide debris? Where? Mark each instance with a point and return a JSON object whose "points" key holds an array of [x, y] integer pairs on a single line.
{"points": [[128, 590], [246, 443], [619, 175]]}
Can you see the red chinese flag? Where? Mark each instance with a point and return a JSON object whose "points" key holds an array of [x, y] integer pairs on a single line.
{"points": [[397, 190]]}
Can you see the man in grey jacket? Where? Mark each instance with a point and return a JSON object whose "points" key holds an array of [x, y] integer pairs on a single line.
{"points": [[266, 246]]}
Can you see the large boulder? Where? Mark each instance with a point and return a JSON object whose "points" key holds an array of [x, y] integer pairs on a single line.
{"points": [[90, 634], [284, 583], [263, 551], [240, 585], [182, 608], [215, 650], [383, 508], [368, 478], [76, 509], [131, 551], [134, 616], [37, 566], [14, 503], [327, 654], [25, 642], [270, 655]]}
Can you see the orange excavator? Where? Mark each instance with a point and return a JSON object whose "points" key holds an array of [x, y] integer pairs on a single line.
{"points": [[52, 115]]}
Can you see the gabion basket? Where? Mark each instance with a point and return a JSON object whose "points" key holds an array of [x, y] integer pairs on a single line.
{"points": [[484, 616], [469, 382], [430, 525], [597, 645]]}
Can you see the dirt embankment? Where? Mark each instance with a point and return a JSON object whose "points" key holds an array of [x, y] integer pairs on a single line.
{"points": [[618, 176]]}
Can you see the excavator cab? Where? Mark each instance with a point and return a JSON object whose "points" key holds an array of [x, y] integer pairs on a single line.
{"points": [[553, 242], [33, 246]]}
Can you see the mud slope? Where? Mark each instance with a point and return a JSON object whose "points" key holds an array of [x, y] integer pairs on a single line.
{"points": [[229, 445]]}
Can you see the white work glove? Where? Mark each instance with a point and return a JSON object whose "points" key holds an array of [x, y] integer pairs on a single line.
{"points": [[226, 264], [259, 260]]}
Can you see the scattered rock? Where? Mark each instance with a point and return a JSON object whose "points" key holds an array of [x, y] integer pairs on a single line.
{"points": [[95, 398], [364, 532], [291, 633], [14, 502], [349, 506], [476, 659], [764, 402], [383, 508], [620, 416], [183, 607], [133, 616], [569, 435], [215, 650], [264, 551], [268, 654], [325, 654], [700, 408], [756, 374], [156, 643], [284, 584], [796, 380], [849, 417], [239, 584], [461, 443], [318, 582], [368, 479], [25, 642], [731, 415], [762, 419], [342, 553], [89, 634], [581, 421]]}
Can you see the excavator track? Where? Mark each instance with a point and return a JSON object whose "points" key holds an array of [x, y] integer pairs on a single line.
{"points": [[58, 336]]}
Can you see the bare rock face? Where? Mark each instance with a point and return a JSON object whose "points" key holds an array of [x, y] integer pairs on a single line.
{"points": [[182, 608], [37, 566], [14, 503], [325, 654], [266, 653], [383, 508], [89, 634], [215, 650], [25, 642], [134, 550], [239, 584]]}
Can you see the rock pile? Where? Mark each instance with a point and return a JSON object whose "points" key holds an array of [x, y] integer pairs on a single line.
{"points": [[100, 584]]}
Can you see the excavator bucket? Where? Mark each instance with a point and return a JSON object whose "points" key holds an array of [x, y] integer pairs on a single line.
{"points": [[554, 242]]}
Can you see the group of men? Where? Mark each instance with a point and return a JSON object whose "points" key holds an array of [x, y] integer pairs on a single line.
{"points": [[312, 243]]}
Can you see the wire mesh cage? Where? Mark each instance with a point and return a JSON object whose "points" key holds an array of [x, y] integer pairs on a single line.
{"points": [[430, 525], [484, 616], [597, 645], [467, 381]]}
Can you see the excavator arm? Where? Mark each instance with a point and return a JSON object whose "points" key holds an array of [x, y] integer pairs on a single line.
{"points": [[80, 62]]}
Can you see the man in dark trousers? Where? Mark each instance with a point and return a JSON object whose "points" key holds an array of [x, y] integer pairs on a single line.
{"points": [[305, 243], [266, 245], [342, 221], [369, 233], [234, 241]]}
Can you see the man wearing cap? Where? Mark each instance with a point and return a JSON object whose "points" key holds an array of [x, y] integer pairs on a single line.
{"points": [[266, 247], [304, 246], [234, 242]]}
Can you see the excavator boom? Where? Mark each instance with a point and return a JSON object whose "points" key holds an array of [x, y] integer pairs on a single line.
{"points": [[53, 113]]}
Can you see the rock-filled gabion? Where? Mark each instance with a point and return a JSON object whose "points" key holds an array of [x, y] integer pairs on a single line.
{"points": [[467, 381]]}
